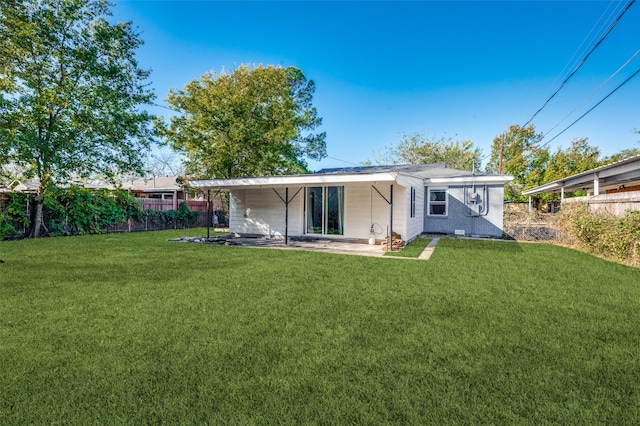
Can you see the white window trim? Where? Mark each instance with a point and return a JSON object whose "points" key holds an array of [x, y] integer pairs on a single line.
{"points": [[446, 202], [412, 202]]}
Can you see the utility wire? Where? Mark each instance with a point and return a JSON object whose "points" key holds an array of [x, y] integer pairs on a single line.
{"points": [[581, 62], [595, 91], [165, 107], [587, 41], [592, 108]]}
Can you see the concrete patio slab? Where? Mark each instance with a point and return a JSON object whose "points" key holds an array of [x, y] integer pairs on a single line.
{"points": [[309, 244]]}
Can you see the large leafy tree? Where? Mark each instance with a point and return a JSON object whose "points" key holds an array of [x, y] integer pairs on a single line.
{"points": [[72, 92], [516, 152], [250, 122], [577, 158], [512, 152], [419, 148]]}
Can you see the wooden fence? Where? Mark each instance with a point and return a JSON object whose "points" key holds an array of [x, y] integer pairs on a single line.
{"points": [[148, 224]]}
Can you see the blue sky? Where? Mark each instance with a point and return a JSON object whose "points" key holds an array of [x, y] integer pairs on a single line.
{"points": [[460, 69]]}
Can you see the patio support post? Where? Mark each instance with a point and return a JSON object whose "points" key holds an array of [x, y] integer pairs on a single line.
{"points": [[391, 218], [390, 202], [208, 213], [286, 202]]}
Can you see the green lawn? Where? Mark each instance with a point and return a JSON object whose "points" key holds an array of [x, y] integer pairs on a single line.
{"points": [[133, 329]]}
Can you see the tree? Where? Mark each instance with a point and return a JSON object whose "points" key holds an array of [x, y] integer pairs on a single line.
{"points": [[512, 152], [71, 92], [250, 122], [164, 163], [417, 148], [578, 158], [516, 153]]}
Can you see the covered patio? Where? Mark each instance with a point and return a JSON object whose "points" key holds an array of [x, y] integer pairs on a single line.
{"points": [[613, 188]]}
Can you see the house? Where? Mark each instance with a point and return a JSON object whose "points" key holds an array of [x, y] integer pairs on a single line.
{"points": [[158, 188], [364, 202], [613, 188]]}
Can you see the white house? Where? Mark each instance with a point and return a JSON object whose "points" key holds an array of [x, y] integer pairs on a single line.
{"points": [[360, 202]]}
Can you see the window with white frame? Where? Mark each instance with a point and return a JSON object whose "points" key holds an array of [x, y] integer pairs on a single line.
{"points": [[437, 202], [413, 202]]}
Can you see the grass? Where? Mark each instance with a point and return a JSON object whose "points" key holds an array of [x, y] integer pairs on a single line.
{"points": [[413, 249], [133, 329]]}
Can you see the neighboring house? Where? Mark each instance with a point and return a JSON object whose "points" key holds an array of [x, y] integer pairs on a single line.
{"points": [[158, 188], [614, 188], [354, 202]]}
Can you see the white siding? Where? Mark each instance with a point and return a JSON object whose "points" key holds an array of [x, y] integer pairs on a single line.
{"points": [[412, 226], [365, 207], [261, 212]]}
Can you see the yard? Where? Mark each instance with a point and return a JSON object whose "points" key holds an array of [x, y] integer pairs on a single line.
{"points": [[133, 329]]}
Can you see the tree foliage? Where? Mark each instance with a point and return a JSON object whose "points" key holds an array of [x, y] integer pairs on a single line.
{"points": [[71, 91], [513, 152], [419, 148], [533, 164], [74, 210], [252, 121], [577, 158]]}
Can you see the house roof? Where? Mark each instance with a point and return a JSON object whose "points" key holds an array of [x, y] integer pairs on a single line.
{"points": [[610, 176], [153, 184], [436, 173]]}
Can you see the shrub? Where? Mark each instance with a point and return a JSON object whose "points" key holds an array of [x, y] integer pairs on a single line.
{"points": [[163, 218], [69, 211], [601, 234]]}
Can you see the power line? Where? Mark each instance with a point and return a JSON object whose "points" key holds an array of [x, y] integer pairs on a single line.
{"points": [[587, 41], [344, 161], [592, 108], [595, 91], [165, 107], [582, 62]]}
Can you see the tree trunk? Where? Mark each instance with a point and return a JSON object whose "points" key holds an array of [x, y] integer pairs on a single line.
{"points": [[36, 223]]}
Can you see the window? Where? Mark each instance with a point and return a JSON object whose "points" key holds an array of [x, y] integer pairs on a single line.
{"points": [[437, 202], [325, 210], [413, 202]]}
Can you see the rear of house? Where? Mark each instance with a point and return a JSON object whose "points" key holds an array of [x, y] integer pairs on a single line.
{"points": [[358, 203]]}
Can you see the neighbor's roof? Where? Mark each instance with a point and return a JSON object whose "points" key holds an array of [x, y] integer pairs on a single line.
{"points": [[623, 172], [436, 173], [153, 184]]}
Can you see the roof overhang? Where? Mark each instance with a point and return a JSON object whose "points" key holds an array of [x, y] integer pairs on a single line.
{"points": [[324, 179], [610, 176], [296, 180], [470, 180]]}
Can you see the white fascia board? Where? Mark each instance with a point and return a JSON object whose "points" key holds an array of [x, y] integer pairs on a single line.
{"points": [[469, 180], [543, 189], [300, 180]]}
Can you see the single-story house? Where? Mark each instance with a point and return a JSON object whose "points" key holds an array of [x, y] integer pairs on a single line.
{"points": [[364, 202], [613, 188], [160, 188]]}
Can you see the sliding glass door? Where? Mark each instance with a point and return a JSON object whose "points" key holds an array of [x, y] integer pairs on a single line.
{"points": [[325, 210]]}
